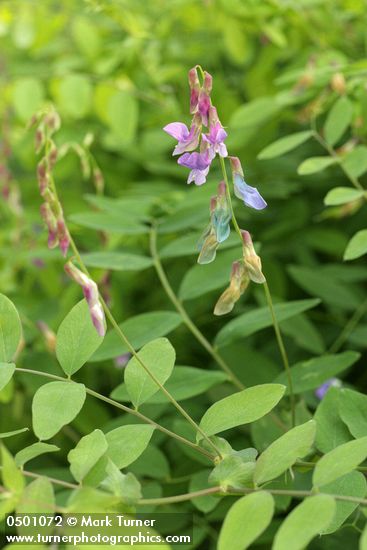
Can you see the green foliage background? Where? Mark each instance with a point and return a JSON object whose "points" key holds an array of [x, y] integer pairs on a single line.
{"points": [[117, 69]]}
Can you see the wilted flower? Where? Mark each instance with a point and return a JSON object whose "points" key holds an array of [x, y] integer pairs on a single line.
{"points": [[239, 281], [251, 260], [91, 294], [320, 392], [250, 195]]}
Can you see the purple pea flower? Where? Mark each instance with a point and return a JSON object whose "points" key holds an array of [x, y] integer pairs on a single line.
{"points": [[250, 195], [215, 139], [320, 392], [187, 139], [199, 164]]}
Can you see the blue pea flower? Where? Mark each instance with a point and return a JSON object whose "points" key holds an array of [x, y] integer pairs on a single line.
{"points": [[250, 195]]}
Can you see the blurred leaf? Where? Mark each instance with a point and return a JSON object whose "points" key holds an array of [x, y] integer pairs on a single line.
{"points": [[139, 330], [284, 145], [28, 96], [10, 329], [342, 195], [258, 509], [110, 222], [338, 120], [284, 452], [86, 36], [37, 449], [122, 115], [126, 444], [315, 164], [54, 405], [331, 430], [353, 411], [355, 162], [256, 112], [199, 481], [304, 522], [158, 357], [188, 245], [4, 435], [353, 484], [357, 246], [117, 261], [12, 477], [6, 373], [339, 461], [253, 321], [310, 374], [77, 339], [152, 463], [38, 498], [200, 381], [241, 408], [331, 290], [74, 95]]}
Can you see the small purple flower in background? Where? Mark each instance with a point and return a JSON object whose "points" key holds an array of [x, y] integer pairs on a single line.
{"points": [[199, 164], [91, 294], [321, 391], [122, 360], [250, 195], [188, 140]]}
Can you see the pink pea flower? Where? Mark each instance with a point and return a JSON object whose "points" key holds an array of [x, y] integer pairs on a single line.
{"points": [[91, 294], [199, 164], [187, 139], [215, 140]]}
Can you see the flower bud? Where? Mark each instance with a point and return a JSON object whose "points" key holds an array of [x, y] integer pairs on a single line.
{"points": [[338, 83], [239, 281], [236, 166], [39, 138], [194, 89], [98, 179], [208, 246], [43, 176], [51, 223], [91, 294], [52, 121], [63, 236], [49, 336], [251, 260], [52, 156]]}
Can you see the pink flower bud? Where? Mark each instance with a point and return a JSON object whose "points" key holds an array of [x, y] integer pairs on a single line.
{"points": [[43, 177], [91, 294], [63, 236], [236, 166], [49, 336], [39, 139], [213, 204], [51, 223], [208, 82], [52, 121], [251, 260], [194, 89], [52, 156]]}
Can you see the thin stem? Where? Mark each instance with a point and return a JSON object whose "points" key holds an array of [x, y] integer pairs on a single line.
{"points": [[269, 300], [333, 154], [349, 327], [282, 350], [130, 346], [231, 492], [51, 479], [182, 311], [125, 409]]}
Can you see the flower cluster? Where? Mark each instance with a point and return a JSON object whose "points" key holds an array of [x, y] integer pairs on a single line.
{"points": [[204, 115], [243, 271], [51, 209], [197, 149], [91, 294]]}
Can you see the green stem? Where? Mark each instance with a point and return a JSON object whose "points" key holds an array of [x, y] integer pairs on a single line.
{"points": [[125, 409], [333, 154], [269, 301], [130, 346], [282, 350], [51, 479], [231, 492], [349, 327], [184, 315]]}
